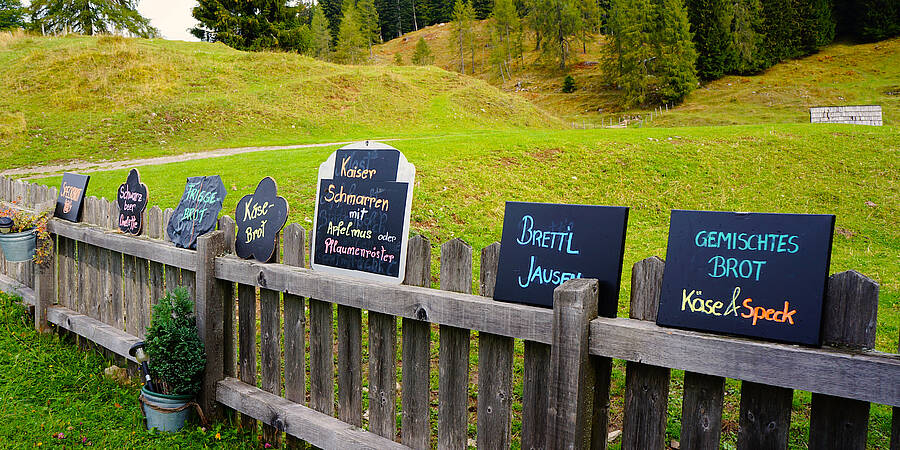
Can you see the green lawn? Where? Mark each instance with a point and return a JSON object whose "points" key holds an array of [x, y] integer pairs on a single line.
{"points": [[462, 183], [54, 396]]}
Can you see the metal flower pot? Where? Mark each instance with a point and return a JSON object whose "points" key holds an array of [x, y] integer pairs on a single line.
{"points": [[18, 247], [165, 412]]}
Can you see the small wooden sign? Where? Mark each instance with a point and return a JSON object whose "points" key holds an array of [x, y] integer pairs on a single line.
{"points": [[71, 196], [363, 203], [545, 244], [132, 200], [197, 212], [259, 218], [750, 274]]}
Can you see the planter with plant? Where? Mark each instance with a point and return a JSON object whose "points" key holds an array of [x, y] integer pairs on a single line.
{"points": [[177, 360], [24, 236]]}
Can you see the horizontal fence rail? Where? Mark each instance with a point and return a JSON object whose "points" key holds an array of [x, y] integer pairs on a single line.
{"points": [[259, 320]]}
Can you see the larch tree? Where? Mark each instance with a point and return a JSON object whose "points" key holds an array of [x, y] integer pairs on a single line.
{"points": [[321, 36], [349, 49], [368, 23], [463, 33]]}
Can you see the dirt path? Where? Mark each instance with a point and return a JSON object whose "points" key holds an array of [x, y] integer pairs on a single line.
{"points": [[95, 166]]}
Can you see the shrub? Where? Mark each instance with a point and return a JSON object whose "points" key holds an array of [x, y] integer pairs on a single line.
{"points": [[177, 356], [568, 84]]}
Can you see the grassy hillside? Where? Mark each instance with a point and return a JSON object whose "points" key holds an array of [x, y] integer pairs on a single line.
{"points": [[841, 74], [114, 98]]}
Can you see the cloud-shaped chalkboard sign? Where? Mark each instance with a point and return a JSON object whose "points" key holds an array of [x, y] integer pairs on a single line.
{"points": [[132, 200], [197, 212], [259, 217]]}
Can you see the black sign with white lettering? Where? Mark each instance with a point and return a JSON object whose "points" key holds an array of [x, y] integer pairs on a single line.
{"points": [[259, 218], [362, 213], [197, 212], [544, 244], [132, 201], [750, 274], [71, 197]]}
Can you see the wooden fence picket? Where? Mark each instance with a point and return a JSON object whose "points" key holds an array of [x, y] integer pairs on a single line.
{"points": [[415, 399], [294, 326], [646, 387], [270, 345], [495, 360], [849, 320], [453, 379]]}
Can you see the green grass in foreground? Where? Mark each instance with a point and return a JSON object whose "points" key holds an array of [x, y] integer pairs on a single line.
{"points": [[48, 387]]}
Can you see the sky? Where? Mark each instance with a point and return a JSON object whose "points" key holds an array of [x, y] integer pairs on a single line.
{"points": [[171, 17]]}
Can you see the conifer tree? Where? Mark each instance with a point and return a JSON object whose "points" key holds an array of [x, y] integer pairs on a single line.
{"points": [[483, 8], [556, 23], [650, 53], [590, 21], [746, 37], [815, 24], [422, 56], [12, 14], [628, 50], [321, 36], [368, 22], [676, 57], [334, 11], [506, 36], [710, 22], [462, 32], [351, 42], [93, 17]]}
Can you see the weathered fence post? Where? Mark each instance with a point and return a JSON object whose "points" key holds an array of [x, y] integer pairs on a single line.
{"points": [[849, 320], [294, 325], [571, 374], [495, 360], [44, 284], [209, 308], [415, 427], [895, 429], [646, 387], [453, 389]]}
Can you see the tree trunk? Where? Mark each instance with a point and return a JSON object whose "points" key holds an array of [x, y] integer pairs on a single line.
{"points": [[399, 21]]}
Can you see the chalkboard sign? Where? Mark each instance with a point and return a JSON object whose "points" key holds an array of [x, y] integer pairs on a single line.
{"points": [[198, 210], [259, 217], [132, 200], [71, 197], [545, 244], [363, 202], [750, 274]]}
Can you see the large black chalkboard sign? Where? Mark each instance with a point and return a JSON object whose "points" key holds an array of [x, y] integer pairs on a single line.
{"points": [[259, 217], [71, 197], [544, 244], [751, 274], [363, 203], [198, 210], [132, 200]]}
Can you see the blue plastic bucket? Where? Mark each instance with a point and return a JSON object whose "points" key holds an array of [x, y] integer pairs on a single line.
{"points": [[162, 420], [18, 247]]}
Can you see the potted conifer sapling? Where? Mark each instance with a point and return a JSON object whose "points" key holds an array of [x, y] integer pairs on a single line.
{"points": [[177, 361]]}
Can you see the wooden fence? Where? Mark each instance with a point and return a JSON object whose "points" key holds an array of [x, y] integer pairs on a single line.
{"points": [[102, 284]]}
